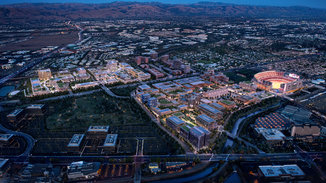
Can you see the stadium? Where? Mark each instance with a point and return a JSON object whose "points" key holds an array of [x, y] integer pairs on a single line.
{"points": [[279, 82]]}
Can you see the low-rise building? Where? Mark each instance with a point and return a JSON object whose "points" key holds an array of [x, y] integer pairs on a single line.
{"points": [[214, 94], [6, 139], [152, 102], [227, 104], [16, 116], [280, 171], [36, 109], [175, 123], [154, 167], [84, 85], [210, 111], [97, 131], [271, 136], [76, 142], [83, 170], [110, 142]]}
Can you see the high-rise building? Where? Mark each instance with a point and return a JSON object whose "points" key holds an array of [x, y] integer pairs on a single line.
{"points": [[44, 74]]}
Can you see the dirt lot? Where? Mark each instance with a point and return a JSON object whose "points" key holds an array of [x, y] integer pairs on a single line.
{"points": [[38, 41]]}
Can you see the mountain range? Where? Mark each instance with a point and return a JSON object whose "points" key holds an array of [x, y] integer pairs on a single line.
{"points": [[31, 12]]}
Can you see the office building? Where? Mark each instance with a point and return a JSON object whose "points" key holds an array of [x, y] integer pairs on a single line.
{"points": [[207, 121], [210, 111], [97, 131], [152, 102], [175, 123], [44, 74], [36, 109], [279, 172], [16, 116], [76, 142], [145, 97], [199, 136]]}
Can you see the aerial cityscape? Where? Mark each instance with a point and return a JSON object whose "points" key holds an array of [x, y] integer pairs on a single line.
{"points": [[156, 92]]}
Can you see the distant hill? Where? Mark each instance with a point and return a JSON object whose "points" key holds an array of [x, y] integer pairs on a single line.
{"points": [[71, 11]]}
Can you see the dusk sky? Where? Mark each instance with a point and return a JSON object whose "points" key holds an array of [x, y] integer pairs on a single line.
{"points": [[309, 3]]}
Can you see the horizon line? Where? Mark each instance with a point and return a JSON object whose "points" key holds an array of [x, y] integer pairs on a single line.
{"points": [[181, 3]]}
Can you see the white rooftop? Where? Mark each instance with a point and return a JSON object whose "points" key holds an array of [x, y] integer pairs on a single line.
{"points": [[110, 140], [281, 170], [76, 140], [98, 129]]}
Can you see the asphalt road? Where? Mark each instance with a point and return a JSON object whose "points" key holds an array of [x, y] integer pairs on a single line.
{"points": [[29, 139]]}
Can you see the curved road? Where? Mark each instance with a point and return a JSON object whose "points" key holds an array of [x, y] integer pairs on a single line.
{"points": [[29, 139], [236, 126]]}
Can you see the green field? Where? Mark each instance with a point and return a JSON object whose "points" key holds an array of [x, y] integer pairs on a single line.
{"points": [[124, 116], [241, 75]]}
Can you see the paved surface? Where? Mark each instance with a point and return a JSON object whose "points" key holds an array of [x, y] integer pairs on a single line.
{"points": [[29, 139], [109, 92], [236, 126], [69, 95]]}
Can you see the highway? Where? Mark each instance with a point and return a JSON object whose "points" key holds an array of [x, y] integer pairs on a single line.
{"points": [[202, 157]]}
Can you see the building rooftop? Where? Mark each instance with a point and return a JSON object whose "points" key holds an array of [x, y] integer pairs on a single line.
{"points": [[110, 140], [296, 114], [197, 132], [76, 140], [281, 170], [217, 106], [270, 134], [177, 121], [15, 112], [206, 118], [98, 129], [210, 109], [35, 106], [144, 87]]}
